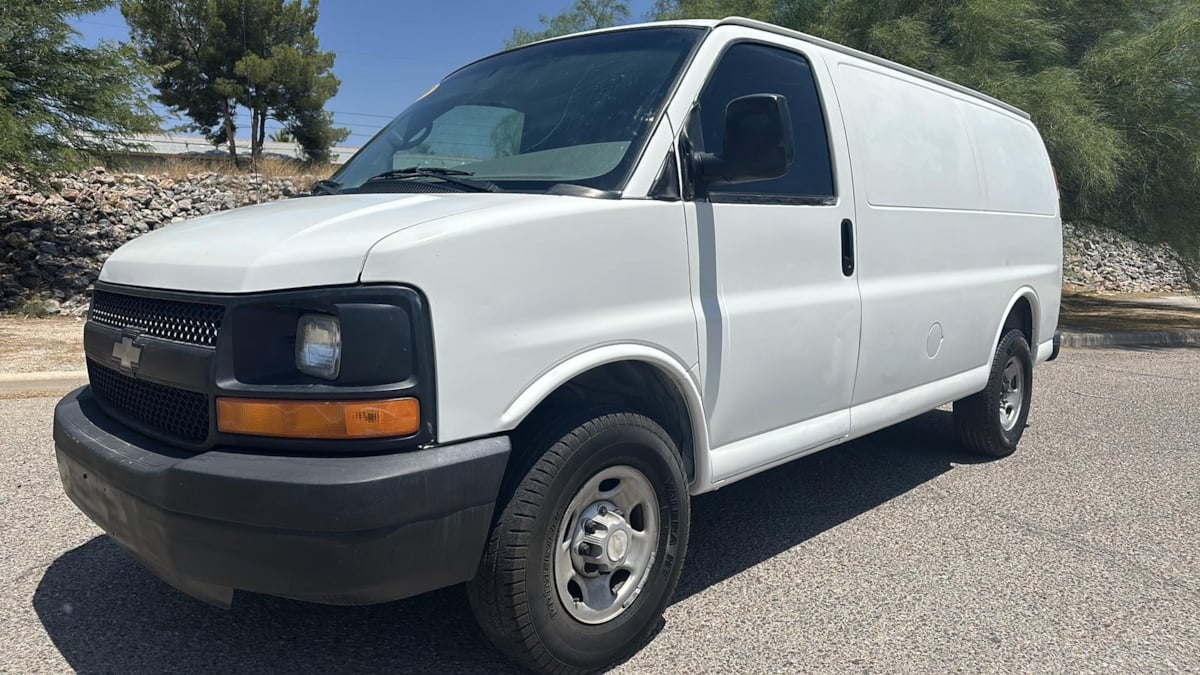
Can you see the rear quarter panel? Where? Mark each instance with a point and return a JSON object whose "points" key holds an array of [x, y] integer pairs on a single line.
{"points": [[957, 216]]}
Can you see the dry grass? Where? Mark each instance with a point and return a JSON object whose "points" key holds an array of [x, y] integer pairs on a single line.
{"points": [[179, 168]]}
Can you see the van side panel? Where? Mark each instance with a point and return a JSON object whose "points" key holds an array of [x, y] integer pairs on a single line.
{"points": [[1013, 162], [956, 213], [910, 143]]}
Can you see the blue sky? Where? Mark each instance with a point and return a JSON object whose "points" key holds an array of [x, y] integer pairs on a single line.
{"points": [[389, 52]]}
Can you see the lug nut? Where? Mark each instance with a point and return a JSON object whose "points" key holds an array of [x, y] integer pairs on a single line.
{"points": [[585, 549], [589, 527], [603, 510]]}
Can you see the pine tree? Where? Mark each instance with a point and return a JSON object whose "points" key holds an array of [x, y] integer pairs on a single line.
{"points": [[62, 103], [262, 55]]}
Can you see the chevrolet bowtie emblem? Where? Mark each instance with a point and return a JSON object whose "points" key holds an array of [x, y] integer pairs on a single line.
{"points": [[127, 354]]}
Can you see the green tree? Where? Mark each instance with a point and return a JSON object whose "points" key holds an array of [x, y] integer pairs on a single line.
{"points": [[60, 102], [763, 10], [583, 15], [1146, 79], [1114, 85], [263, 55], [281, 136]]}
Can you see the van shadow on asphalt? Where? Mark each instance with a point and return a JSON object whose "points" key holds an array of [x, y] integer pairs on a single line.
{"points": [[105, 613]]}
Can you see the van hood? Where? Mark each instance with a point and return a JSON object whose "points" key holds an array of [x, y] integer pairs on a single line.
{"points": [[296, 243]]}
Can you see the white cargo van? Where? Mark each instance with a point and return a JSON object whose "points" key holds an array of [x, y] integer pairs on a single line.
{"points": [[569, 288]]}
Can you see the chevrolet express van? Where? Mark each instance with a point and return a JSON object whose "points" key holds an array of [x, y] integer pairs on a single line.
{"points": [[572, 286]]}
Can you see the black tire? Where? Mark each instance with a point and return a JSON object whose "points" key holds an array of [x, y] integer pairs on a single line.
{"points": [[514, 594], [978, 418]]}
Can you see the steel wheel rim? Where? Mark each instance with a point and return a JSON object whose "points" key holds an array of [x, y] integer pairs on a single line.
{"points": [[1012, 393], [606, 544]]}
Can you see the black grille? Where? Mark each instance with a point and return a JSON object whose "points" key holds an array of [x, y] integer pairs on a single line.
{"points": [[191, 322], [171, 411]]}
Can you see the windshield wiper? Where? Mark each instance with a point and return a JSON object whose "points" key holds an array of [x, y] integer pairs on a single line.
{"points": [[436, 169], [446, 175]]}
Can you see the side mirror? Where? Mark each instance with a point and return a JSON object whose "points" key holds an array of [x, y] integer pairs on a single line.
{"points": [[758, 142]]}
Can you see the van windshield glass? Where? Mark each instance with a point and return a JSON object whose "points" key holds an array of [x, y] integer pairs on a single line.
{"points": [[576, 111]]}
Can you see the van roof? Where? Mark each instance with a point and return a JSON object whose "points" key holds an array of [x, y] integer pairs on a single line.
{"points": [[820, 42]]}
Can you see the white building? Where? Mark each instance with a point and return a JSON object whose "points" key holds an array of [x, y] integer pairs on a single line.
{"points": [[172, 145]]}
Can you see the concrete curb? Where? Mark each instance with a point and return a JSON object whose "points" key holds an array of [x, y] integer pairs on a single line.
{"points": [[50, 383], [1172, 338]]}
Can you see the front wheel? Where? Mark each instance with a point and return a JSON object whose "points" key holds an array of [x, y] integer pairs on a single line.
{"points": [[587, 545], [992, 421]]}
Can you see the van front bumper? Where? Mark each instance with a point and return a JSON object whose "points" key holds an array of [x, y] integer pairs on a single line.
{"points": [[335, 530]]}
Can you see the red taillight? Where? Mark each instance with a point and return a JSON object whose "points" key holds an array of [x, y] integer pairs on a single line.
{"points": [[1057, 191]]}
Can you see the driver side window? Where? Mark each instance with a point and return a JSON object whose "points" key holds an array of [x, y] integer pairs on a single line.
{"points": [[748, 68]]}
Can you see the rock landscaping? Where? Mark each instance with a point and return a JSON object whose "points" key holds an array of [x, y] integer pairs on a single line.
{"points": [[1099, 260], [53, 243]]}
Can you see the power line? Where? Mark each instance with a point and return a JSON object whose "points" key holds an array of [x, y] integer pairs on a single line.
{"points": [[358, 114], [358, 126], [392, 57], [101, 23], [245, 118]]}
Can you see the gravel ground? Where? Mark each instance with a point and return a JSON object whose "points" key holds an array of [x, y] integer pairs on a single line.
{"points": [[896, 553], [36, 345]]}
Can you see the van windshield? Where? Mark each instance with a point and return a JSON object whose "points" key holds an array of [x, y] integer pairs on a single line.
{"points": [[574, 111]]}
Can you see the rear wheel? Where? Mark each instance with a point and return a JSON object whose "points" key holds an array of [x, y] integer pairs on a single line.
{"points": [[992, 421], [587, 544]]}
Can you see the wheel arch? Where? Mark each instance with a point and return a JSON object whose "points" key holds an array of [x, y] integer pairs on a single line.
{"points": [[1020, 312], [646, 359]]}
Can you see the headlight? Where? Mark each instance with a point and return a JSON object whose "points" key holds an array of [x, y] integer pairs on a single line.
{"points": [[319, 346]]}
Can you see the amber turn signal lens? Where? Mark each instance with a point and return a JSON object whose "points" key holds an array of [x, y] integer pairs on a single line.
{"points": [[319, 419]]}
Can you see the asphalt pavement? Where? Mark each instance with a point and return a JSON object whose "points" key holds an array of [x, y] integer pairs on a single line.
{"points": [[896, 553]]}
